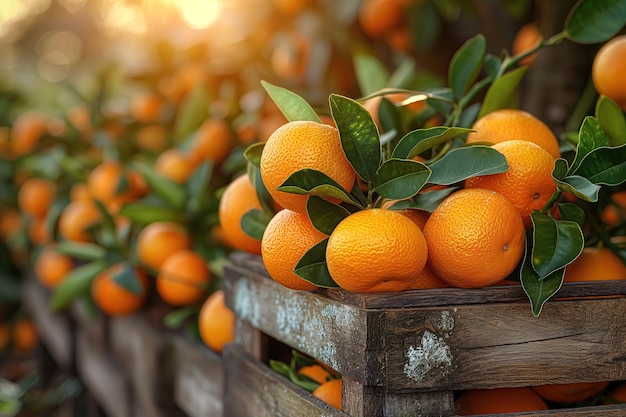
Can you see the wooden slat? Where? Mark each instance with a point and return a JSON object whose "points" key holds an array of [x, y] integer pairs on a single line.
{"points": [[595, 411], [344, 337], [55, 329], [141, 349], [443, 296], [253, 389], [198, 379], [103, 377], [499, 345]]}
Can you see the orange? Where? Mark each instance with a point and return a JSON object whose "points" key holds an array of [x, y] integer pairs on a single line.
{"points": [[11, 224], [24, 335], [615, 212], [527, 184], [212, 141], [608, 68], [76, 219], [570, 393], [152, 137], [526, 38], [426, 279], [268, 125], [377, 17], [475, 238], [291, 55], [27, 130], [183, 278], [507, 124], [376, 250], [287, 237], [316, 372], [239, 197], [175, 165], [330, 392], [35, 196], [298, 145], [51, 267], [372, 105], [112, 298], [216, 322], [617, 394], [158, 240], [79, 191], [498, 401], [147, 108], [109, 183], [38, 231], [595, 264]]}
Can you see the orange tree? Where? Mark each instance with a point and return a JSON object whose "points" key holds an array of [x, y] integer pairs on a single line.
{"points": [[387, 170]]}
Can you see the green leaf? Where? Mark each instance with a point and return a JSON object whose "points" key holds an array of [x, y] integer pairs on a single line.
{"points": [[313, 182], [253, 153], [572, 212], [143, 213], [359, 135], [389, 117], [425, 23], [590, 137], [77, 282], [169, 191], [290, 104], [466, 65], [197, 187], [127, 279], [176, 318], [81, 250], [265, 199], [371, 74], [606, 166], [398, 179], [502, 91], [420, 140], [579, 186], [469, 115], [462, 163], [253, 223], [193, 111], [492, 66], [556, 243], [560, 169], [612, 120], [426, 200], [312, 266], [538, 290], [593, 21], [324, 215]]}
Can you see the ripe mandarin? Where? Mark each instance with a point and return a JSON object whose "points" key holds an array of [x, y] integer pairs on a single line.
{"points": [[376, 250], [216, 322], [570, 393], [595, 264], [158, 240], [507, 124], [298, 145], [51, 267], [183, 278], [114, 299], [527, 184], [475, 238], [331, 393], [287, 237], [239, 197], [608, 69], [498, 401]]}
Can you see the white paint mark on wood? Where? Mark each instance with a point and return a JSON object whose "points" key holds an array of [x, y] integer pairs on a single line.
{"points": [[245, 305], [433, 353], [446, 323]]}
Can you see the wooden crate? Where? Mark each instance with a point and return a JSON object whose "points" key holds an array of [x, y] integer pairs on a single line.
{"points": [[198, 379], [408, 352], [55, 329], [253, 389]]}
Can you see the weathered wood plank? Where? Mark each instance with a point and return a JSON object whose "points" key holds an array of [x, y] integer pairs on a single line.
{"points": [[486, 346], [443, 296], [595, 411], [198, 379], [55, 329], [141, 349], [253, 389], [103, 377], [342, 336], [94, 324]]}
